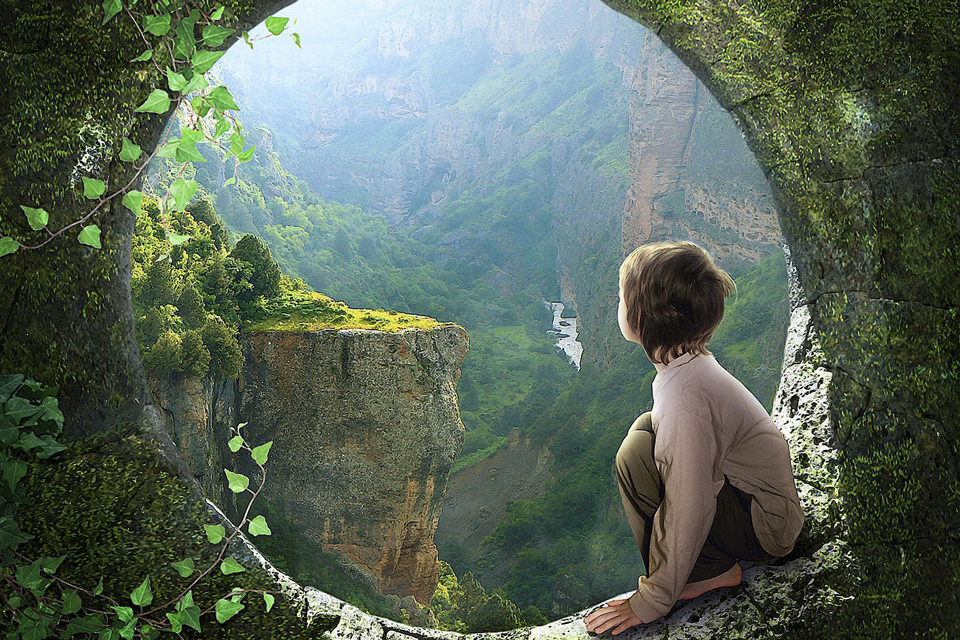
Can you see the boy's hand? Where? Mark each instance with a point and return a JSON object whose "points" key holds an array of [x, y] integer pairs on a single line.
{"points": [[615, 614]]}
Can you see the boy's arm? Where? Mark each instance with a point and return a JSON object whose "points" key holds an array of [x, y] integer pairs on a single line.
{"points": [[686, 454]]}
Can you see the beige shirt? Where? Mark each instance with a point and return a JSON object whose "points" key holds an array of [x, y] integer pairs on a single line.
{"points": [[708, 425]]}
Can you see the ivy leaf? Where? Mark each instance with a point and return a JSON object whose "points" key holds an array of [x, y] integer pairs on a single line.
{"points": [[259, 454], [176, 239], [142, 596], [237, 481], [221, 99], [149, 632], [8, 245], [187, 149], [50, 565], [235, 443], [157, 102], [215, 533], [175, 81], [217, 13], [157, 25], [143, 57], [133, 200], [236, 142], [10, 535], [169, 150], [182, 191], [296, 41], [202, 60], [71, 602], [246, 38], [222, 125], [227, 609], [49, 447], [13, 473], [93, 188], [247, 155], [97, 590], [268, 600], [196, 82], [258, 527], [110, 9], [124, 613], [88, 624], [229, 565], [130, 151], [90, 235], [190, 616], [176, 622], [214, 35], [276, 25], [185, 43], [37, 218], [184, 567]]}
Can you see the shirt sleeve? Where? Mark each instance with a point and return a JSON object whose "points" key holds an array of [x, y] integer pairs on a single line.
{"points": [[686, 454]]}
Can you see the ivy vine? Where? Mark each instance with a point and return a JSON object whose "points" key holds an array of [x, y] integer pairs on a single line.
{"points": [[41, 604], [183, 39]]}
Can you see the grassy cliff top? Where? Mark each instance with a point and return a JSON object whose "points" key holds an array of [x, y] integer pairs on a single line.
{"points": [[311, 311]]}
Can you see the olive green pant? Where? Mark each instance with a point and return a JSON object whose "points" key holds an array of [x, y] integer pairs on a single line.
{"points": [[731, 537]]}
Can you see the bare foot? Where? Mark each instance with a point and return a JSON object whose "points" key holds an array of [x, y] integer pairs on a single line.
{"points": [[729, 578]]}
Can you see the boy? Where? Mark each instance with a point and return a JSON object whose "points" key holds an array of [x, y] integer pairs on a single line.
{"points": [[705, 477]]}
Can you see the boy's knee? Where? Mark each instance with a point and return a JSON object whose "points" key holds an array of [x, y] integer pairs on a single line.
{"points": [[636, 446]]}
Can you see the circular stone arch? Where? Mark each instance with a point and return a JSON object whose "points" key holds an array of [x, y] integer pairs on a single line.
{"points": [[850, 108]]}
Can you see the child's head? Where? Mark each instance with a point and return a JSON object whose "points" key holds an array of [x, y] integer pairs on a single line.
{"points": [[671, 298]]}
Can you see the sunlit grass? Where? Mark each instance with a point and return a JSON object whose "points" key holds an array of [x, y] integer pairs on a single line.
{"points": [[310, 311]]}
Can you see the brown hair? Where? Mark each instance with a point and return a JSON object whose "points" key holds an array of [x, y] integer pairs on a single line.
{"points": [[673, 294]]}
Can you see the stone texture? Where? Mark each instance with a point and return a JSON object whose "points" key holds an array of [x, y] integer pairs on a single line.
{"points": [[365, 429]]}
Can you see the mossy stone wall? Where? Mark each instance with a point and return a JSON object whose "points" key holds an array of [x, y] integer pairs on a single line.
{"points": [[850, 107]]}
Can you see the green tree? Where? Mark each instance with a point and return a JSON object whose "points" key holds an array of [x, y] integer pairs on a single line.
{"points": [[165, 358], [263, 274]]}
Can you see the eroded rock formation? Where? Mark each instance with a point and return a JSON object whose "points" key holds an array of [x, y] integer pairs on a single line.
{"points": [[365, 429]]}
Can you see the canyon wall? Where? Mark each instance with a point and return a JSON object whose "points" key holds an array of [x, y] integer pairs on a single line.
{"points": [[365, 430]]}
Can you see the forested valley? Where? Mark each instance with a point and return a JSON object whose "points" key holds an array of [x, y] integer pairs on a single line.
{"points": [[431, 161]]}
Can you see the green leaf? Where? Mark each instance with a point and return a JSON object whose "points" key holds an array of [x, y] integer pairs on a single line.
{"points": [[149, 632], [182, 191], [230, 182], [142, 596], [222, 126], [176, 239], [10, 535], [268, 600], [176, 622], [258, 527], [93, 188], [133, 200], [157, 102], [71, 602], [50, 565], [214, 35], [229, 565], [90, 235], [196, 82], [296, 39], [169, 150], [217, 13], [9, 384], [247, 155], [276, 25], [237, 481], [202, 60], [49, 447], [185, 44], [157, 25], [215, 533], [184, 567], [37, 218], [235, 443], [130, 151], [129, 629], [124, 613], [97, 590], [259, 454], [236, 142], [221, 99], [108, 634], [187, 150], [13, 473], [227, 609], [92, 623], [143, 57], [175, 81], [8, 245], [110, 9]]}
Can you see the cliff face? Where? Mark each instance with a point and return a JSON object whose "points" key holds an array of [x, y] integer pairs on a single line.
{"points": [[365, 429]]}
